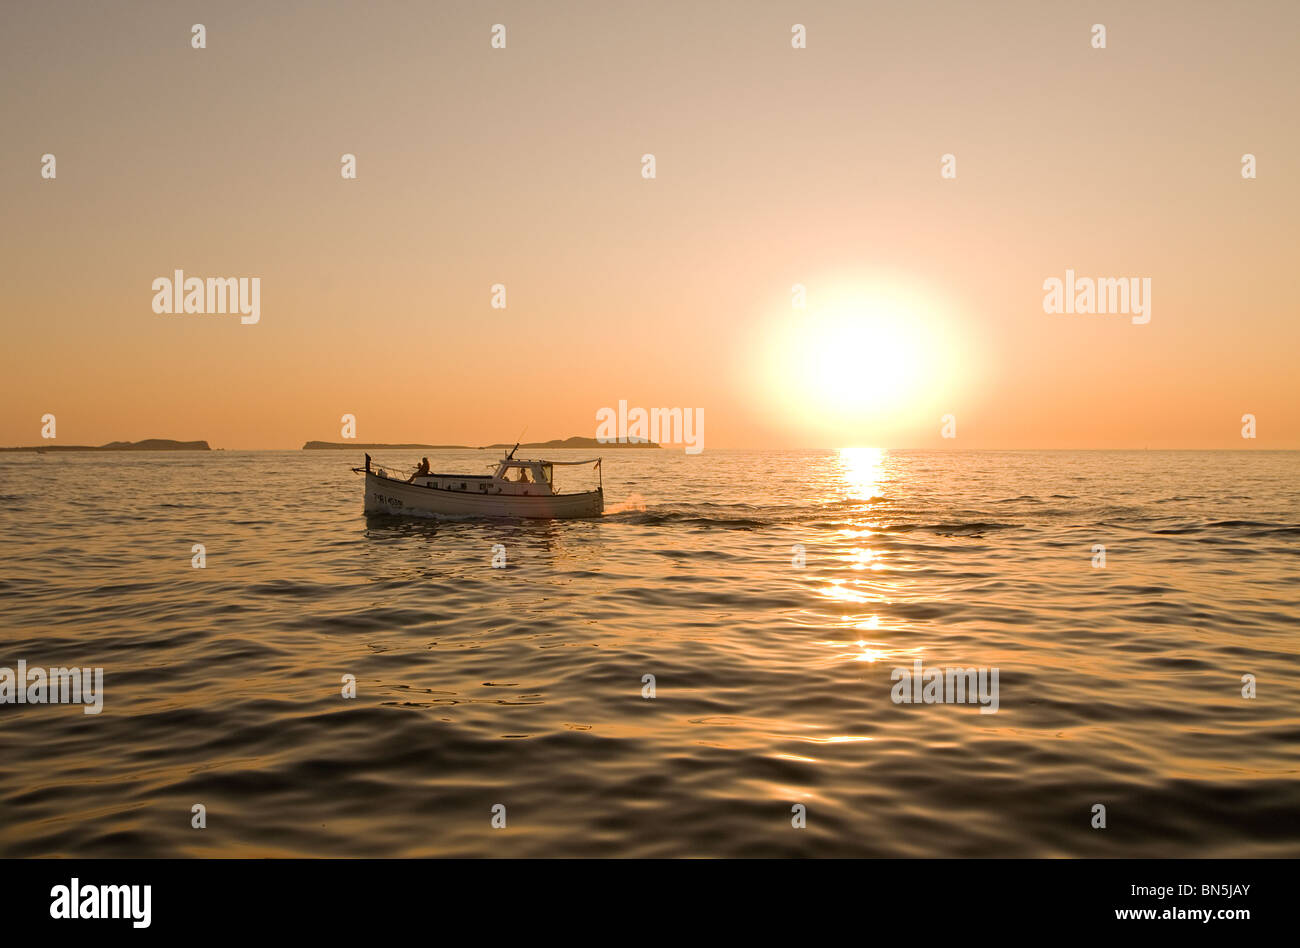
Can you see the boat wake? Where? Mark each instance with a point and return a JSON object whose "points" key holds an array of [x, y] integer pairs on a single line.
{"points": [[634, 504]]}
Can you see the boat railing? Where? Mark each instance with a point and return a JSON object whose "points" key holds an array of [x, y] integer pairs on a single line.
{"points": [[396, 472]]}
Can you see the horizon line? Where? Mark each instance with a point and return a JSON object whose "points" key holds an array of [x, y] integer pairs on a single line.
{"points": [[671, 449]]}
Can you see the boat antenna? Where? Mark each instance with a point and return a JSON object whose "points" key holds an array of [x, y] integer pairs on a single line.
{"points": [[511, 455]]}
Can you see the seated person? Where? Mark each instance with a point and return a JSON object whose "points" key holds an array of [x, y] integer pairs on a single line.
{"points": [[523, 476], [420, 471]]}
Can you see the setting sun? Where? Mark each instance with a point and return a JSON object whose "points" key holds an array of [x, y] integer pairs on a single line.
{"points": [[859, 362], [863, 361]]}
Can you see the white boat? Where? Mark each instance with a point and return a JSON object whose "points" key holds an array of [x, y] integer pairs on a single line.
{"points": [[517, 488]]}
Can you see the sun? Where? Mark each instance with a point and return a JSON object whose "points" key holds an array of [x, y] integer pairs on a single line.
{"points": [[871, 360], [859, 363]]}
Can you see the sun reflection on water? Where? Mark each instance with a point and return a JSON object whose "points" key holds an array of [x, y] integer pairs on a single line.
{"points": [[861, 576], [862, 470]]}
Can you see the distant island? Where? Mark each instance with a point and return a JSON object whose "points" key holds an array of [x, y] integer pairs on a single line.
{"points": [[371, 446], [150, 444], [575, 442]]}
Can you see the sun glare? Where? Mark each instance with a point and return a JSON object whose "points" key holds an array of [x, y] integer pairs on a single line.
{"points": [[862, 471], [864, 362], [860, 362]]}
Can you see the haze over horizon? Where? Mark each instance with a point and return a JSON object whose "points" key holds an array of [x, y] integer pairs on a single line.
{"points": [[775, 166]]}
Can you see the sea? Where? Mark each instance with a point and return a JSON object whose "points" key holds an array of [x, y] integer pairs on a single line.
{"points": [[737, 660]]}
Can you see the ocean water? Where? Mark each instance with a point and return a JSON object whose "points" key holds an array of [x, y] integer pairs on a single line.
{"points": [[771, 596]]}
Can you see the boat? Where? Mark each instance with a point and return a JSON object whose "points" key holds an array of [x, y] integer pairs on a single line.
{"points": [[516, 488]]}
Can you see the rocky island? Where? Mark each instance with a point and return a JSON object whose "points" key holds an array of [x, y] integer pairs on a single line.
{"points": [[150, 444]]}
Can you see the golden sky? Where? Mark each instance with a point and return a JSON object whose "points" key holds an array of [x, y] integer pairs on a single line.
{"points": [[774, 167]]}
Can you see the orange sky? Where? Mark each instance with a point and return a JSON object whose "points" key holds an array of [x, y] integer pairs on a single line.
{"points": [[775, 166]]}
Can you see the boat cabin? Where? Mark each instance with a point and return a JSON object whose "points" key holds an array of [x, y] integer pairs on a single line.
{"points": [[512, 478], [526, 478]]}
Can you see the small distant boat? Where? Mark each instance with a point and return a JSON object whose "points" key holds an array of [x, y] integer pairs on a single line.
{"points": [[517, 488]]}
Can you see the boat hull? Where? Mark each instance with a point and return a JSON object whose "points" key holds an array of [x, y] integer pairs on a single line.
{"points": [[388, 496]]}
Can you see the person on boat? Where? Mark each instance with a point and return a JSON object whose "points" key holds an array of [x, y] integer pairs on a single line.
{"points": [[420, 471], [523, 476]]}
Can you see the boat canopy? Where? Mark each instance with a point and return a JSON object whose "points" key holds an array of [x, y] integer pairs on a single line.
{"points": [[541, 470]]}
